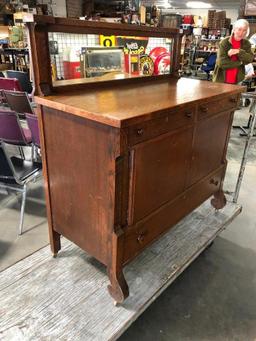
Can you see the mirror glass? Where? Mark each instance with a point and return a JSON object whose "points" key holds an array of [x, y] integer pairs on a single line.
{"points": [[92, 58]]}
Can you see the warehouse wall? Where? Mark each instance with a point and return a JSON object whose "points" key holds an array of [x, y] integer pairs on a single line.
{"points": [[230, 13], [74, 8]]}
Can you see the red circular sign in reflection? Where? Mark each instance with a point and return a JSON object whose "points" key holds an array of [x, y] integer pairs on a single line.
{"points": [[162, 64], [157, 51]]}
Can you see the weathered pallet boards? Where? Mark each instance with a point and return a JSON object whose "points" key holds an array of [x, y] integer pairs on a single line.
{"points": [[66, 298]]}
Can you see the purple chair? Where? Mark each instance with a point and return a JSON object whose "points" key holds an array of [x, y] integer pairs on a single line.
{"points": [[10, 84], [23, 78], [18, 101], [15, 174], [33, 126], [11, 130], [32, 122]]}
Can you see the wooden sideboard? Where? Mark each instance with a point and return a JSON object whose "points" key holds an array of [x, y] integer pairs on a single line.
{"points": [[125, 163]]}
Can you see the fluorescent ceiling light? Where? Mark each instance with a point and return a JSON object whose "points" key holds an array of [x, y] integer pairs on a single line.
{"points": [[166, 4], [198, 4]]}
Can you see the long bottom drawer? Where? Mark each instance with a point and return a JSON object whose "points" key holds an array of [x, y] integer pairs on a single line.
{"points": [[142, 234]]}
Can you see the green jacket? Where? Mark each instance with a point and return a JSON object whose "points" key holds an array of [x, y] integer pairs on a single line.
{"points": [[223, 62]]}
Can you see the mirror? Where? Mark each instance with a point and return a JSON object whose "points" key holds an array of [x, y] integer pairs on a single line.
{"points": [[95, 57]]}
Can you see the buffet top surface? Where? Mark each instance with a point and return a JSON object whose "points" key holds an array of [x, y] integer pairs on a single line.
{"points": [[126, 104]]}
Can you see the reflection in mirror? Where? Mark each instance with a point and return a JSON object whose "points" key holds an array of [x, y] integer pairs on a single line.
{"points": [[92, 57]]}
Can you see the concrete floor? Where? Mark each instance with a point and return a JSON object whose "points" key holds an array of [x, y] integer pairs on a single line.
{"points": [[214, 299], [12, 246]]}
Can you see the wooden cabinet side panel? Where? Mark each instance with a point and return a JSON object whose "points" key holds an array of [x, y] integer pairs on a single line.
{"points": [[81, 179], [54, 239]]}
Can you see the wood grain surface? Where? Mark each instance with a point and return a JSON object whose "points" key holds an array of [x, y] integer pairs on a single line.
{"points": [[123, 105], [57, 24]]}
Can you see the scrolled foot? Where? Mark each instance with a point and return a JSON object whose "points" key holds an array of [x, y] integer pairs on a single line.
{"points": [[219, 200], [118, 293]]}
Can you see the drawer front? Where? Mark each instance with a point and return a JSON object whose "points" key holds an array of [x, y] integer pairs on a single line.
{"points": [[167, 122], [144, 233], [214, 107]]}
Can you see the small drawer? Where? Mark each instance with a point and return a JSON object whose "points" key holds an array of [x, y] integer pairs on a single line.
{"points": [[214, 107], [155, 127], [136, 241]]}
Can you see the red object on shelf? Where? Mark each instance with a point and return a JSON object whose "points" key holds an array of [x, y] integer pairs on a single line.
{"points": [[162, 64], [71, 70], [188, 19], [127, 62], [157, 51], [132, 64]]}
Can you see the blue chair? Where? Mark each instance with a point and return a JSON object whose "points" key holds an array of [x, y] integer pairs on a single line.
{"points": [[210, 64]]}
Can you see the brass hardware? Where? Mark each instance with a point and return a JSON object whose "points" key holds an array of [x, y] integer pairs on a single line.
{"points": [[232, 99], [141, 237], [204, 109], [140, 132], [189, 114], [214, 182]]}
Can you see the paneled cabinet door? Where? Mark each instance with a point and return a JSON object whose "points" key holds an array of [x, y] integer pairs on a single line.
{"points": [[211, 136], [158, 172]]}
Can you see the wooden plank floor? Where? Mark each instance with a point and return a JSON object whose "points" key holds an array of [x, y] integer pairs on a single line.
{"points": [[42, 298]]}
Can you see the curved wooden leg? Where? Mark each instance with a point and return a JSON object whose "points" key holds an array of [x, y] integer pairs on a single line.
{"points": [[118, 287], [219, 200]]}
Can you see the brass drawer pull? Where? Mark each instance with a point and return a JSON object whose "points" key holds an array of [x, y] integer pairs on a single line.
{"points": [[141, 238], [232, 99], [189, 114], [214, 182], [204, 109], [140, 132]]}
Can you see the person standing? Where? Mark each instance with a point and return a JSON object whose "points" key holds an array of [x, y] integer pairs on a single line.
{"points": [[233, 54]]}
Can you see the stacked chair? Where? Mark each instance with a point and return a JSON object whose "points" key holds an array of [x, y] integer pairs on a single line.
{"points": [[17, 81], [8, 84], [19, 128], [18, 101], [23, 79]]}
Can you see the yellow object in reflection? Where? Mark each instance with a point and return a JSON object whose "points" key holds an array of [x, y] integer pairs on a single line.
{"points": [[107, 41], [54, 72]]}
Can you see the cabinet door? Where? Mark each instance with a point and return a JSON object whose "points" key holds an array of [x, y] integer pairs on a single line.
{"points": [[209, 147], [159, 169]]}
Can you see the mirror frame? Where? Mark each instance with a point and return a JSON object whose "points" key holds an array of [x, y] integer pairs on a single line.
{"points": [[39, 26]]}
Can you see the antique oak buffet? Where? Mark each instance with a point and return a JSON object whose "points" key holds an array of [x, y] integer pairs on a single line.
{"points": [[126, 160]]}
